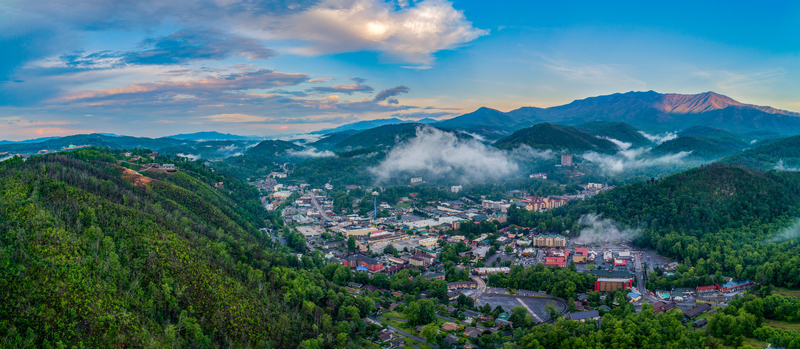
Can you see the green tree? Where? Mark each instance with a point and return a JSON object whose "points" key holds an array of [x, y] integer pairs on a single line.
{"points": [[351, 243]]}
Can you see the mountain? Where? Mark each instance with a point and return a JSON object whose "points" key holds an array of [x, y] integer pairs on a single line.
{"points": [[700, 147], [330, 140], [362, 125], [386, 135], [96, 255], [775, 154], [483, 117], [617, 130], [36, 140], [208, 136], [556, 137], [655, 112]]}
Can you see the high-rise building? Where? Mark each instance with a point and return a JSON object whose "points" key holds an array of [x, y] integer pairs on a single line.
{"points": [[566, 160]]}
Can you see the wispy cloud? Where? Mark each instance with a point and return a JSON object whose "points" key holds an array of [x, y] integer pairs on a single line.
{"points": [[592, 73]]}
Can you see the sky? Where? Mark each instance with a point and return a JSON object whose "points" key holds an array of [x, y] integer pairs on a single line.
{"points": [[266, 68]]}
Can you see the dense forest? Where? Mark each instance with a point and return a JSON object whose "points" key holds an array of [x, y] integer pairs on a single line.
{"points": [[93, 255]]}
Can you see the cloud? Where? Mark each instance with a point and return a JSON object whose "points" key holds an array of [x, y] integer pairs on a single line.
{"points": [[311, 152], [781, 166], [786, 234], [436, 154], [191, 157], [660, 138], [205, 87], [343, 88], [391, 92], [248, 118], [409, 34], [631, 160], [620, 144], [180, 47], [595, 229]]}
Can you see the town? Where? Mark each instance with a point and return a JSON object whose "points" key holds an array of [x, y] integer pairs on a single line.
{"points": [[461, 251]]}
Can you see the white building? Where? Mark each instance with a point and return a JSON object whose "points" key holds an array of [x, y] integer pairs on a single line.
{"points": [[416, 180]]}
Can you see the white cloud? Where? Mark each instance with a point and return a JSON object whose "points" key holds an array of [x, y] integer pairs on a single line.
{"points": [[598, 230], [434, 154], [410, 34], [593, 73], [660, 138], [311, 153], [191, 157], [630, 160], [620, 144]]}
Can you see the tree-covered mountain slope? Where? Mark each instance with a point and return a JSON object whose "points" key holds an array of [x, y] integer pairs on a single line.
{"points": [[616, 130], [700, 147], [556, 137], [781, 154], [95, 255]]}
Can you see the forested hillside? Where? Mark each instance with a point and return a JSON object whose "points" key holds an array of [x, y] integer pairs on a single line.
{"points": [[783, 153], [720, 218], [556, 137], [94, 255]]}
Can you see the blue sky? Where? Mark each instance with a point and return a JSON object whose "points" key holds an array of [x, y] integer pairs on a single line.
{"points": [[155, 68]]}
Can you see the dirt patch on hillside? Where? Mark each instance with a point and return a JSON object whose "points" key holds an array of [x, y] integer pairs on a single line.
{"points": [[137, 178]]}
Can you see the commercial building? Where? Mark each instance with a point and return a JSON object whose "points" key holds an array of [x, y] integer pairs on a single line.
{"points": [[555, 261], [428, 242], [585, 315], [433, 252], [736, 286], [309, 231], [462, 285], [549, 241], [358, 260], [358, 231], [580, 256], [696, 311], [605, 285], [538, 203], [566, 160]]}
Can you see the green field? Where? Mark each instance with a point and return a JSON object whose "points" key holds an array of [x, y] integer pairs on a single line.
{"points": [[788, 292], [791, 326]]}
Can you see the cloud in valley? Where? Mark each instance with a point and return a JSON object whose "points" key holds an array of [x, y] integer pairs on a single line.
{"points": [[595, 229], [632, 159], [311, 152], [660, 138], [435, 154]]}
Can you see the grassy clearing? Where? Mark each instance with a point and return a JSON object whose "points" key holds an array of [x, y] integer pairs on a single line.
{"points": [[788, 292], [791, 326]]}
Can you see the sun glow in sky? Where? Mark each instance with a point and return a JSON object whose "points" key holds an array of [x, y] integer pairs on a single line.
{"points": [[266, 68]]}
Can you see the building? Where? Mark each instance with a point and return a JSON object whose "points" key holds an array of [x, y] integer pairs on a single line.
{"points": [[309, 231], [358, 231], [605, 285], [449, 326], [433, 252], [416, 180], [566, 160], [696, 311], [549, 241], [529, 252], [487, 271], [435, 276], [456, 188], [428, 242], [462, 285], [538, 203], [595, 186], [419, 262], [541, 175], [736, 286], [358, 260], [580, 256], [502, 319], [635, 297], [663, 307], [708, 290], [555, 261], [394, 259], [451, 340], [585, 315], [473, 332]]}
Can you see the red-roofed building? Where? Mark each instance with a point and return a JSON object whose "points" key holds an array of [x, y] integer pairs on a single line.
{"points": [[620, 262], [581, 254], [555, 261], [358, 260]]}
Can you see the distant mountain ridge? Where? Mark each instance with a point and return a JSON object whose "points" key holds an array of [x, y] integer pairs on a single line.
{"points": [[649, 111], [208, 136]]}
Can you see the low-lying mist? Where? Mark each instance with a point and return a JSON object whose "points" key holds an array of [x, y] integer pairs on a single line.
{"points": [[596, 229], [435, 154]]}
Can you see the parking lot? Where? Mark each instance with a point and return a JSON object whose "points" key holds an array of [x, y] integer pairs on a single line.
{"points": [[537, 305]]}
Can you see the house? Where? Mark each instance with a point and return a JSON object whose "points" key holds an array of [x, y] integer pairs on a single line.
{"points": [[473, 332], [502, 319], [462, 284], [470, 314], [386, 335], [585, 315], [370, 288], [451, 339], [635, 297], [483, 319], [579, 306], [663, 307], [450, 309], [449, 326], [397, 294], [696, 311]]}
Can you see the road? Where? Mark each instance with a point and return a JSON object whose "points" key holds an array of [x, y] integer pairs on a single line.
{"points": [[640, 285], [481, 287], [317, 207], [416, 338]]}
